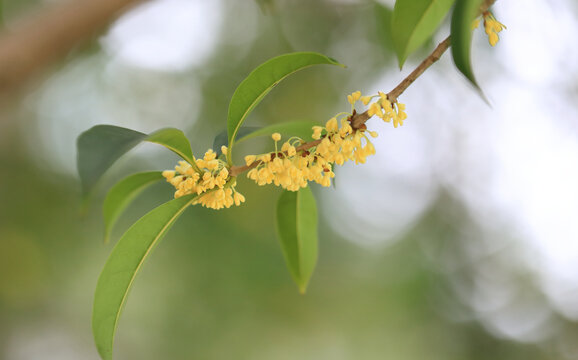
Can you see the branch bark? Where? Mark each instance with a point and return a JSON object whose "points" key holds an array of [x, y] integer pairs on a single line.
{"points": [[49, 35]]}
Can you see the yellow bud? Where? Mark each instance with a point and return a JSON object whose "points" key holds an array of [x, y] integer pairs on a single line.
{"points": [[224, 149], [249, 159], [210, 155], [353, 97], [276, 136], [317, 132], [331, 125], [168, 174], [493, 38], [365, 99]]}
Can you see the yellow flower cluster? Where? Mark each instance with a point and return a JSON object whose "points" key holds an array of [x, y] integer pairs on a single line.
{"points": [[293, 167], [211, 178], [492, 27], [381, 107]]}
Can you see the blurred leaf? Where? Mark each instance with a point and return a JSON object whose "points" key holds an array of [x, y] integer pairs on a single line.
{"points": [[267, 6], [383, 16], [463, 16], [121, 194], [301, 129], [297, 230], [222, 138], [122, 266], [260, 81], [415, 21], [100, 146]]}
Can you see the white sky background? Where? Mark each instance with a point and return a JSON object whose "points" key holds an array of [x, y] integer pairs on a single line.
{"points": [[517, 161]]}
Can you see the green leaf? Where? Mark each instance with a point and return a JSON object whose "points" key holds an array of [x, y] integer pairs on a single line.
{"points": [[122, 266], [174, 140], [415, 21], [301, 129], [464, 14], [100, 146], [258, 84], [120, 195], [222, 138], [297, 230]]}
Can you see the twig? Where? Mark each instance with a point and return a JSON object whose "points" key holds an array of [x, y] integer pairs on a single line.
{"points": [[357, 120]]}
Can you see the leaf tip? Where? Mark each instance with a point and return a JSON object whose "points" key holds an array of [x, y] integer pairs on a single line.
{"points": [[336, 62]]}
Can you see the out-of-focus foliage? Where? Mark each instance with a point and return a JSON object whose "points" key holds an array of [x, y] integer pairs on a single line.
{"points": [[451, 282]]}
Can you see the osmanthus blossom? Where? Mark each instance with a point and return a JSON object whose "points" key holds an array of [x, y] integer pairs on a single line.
{"points": [[294, 164]]}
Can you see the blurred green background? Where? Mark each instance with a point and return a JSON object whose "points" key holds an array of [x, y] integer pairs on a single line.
{"points": [[456, 241]]}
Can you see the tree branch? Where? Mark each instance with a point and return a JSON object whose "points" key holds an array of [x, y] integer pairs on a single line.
{"points": [[358, 120], [50, 34]]}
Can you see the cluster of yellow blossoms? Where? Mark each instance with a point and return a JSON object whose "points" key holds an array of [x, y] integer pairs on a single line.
{"points": [[491, 26], [210, 177], [294, 164], [382, 107], [337, 142]]}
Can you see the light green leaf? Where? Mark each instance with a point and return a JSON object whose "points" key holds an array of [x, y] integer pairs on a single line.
{"points": [[463, 16], [297, 230], [122, 266], [258, 84], [100, 146], [174, 140], [415, 21], [120, 195]]}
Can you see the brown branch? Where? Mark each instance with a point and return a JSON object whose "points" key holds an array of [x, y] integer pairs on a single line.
{"points": [[48, 36], [358, 120]]}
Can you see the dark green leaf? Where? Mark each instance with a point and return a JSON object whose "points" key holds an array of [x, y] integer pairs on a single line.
{"points": [[122, 266], [297, 230], [415, 21], [463, 16], [122, 194], [100, 146], [258, 84], [222, 139]]}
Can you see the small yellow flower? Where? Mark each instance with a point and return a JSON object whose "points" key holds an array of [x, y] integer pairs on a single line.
{"points": [[317, 132], [492, 28], [276, 136], [238, 198], [353, 97], [375, 109], [249, 159], [332, 125], [365, 99], [224, 149]]}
